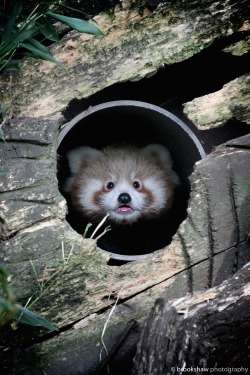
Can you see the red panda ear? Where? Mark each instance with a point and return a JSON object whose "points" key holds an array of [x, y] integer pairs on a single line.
{"points": [[78, 155], [162, 155]]}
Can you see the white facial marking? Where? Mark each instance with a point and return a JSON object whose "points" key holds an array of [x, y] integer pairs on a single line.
{"points": [[159, 190], [86, 194], [110, 201], [121, 167]]}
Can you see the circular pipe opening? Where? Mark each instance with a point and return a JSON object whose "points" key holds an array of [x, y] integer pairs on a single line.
{"points": [[138, 123]]}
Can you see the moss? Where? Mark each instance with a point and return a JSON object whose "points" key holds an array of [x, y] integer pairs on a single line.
{"points": [[239, 48]]}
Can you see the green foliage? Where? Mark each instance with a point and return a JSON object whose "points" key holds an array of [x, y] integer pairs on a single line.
{"points": [[77, 24], [9, 310], [2, 134], [38, 50], [24, 35], [28, 317]]}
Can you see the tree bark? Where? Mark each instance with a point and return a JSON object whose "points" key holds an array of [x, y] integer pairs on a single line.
{"points": [[137, 43], [231, 102], [204, 332], [210, 245]]}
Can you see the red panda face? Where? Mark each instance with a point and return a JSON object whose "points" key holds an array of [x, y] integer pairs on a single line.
{"points": [[128, 183]]}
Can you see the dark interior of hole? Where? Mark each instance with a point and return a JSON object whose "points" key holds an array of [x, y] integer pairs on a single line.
{"points": [[174, 85], [139, 126], [136, 125], [170, 88]]}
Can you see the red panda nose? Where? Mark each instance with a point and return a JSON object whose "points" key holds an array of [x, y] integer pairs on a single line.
{"points": [[124, 198]]}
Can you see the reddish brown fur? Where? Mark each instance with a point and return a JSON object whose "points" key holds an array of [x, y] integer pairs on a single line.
{"points": [[121, 162]]}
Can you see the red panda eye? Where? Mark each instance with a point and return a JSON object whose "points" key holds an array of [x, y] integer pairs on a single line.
{"points": [[110, 185], [136, 184]]}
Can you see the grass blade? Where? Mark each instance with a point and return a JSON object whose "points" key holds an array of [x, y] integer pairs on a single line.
{"points": [[38, 45], [77, 24], [13, 65], [38, 51], [25, 34], [2, 134], [8, 48], [48, 30], [28, 317], [11, 21]]}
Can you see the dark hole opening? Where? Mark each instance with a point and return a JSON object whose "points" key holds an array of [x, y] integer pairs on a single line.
{"points": [[140, 124]]}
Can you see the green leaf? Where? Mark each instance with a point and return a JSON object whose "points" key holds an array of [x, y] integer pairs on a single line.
{"points": [[25, 34], [77, 24], [2, 134], [16, 39], [28, 317], [6, 306], [3, 274], [12, 68], [7, 310], [11, 22], [47, 29], [13, 65], [38, 45], [3, 171], [38, 51]]}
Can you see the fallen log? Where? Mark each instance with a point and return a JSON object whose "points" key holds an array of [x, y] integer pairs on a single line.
{"points": [[204, 332]]}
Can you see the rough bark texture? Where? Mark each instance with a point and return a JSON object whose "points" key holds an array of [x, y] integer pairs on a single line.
{"points": [[209, 246], [231, 102], [205, 332], [136, 44], [67, 275]]}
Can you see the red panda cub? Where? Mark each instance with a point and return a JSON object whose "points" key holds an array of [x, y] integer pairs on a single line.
{"points": [[127, 182]]}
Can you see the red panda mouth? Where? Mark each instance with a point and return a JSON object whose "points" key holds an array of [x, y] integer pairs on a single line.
{"points": [[124, 209]]}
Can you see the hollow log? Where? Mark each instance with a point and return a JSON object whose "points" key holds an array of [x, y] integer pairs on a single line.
{"points": [[210, 245], [66, 275], [137, 43]]}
